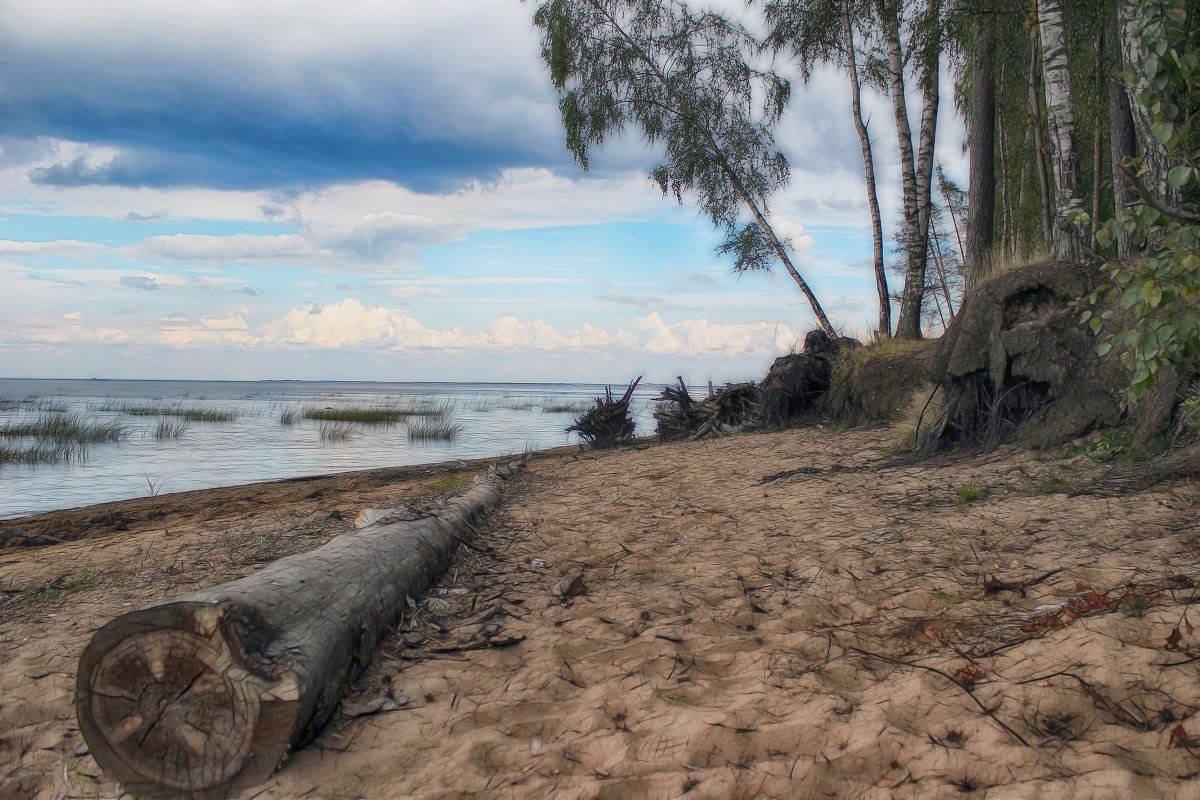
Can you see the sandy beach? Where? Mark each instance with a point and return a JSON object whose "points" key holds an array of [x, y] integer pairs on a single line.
{"points": [[804, 613]]}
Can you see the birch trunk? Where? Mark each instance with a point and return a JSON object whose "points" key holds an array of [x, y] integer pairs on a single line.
{"points": [[1067, 238], [864, 140], [1155, 159], [930, 97], [913, 294]]}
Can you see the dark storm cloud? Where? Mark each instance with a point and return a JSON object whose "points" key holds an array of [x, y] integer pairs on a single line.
{"points": [[281, 95]]}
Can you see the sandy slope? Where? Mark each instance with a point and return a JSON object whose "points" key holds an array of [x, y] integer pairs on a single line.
{"points": [[829, 633]]}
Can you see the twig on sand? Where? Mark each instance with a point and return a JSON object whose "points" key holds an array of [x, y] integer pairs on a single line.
{"points": [[992, 584], [960, 684]]}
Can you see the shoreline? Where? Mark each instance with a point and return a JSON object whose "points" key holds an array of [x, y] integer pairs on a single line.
{"points": [[160, 436], [101, 516]]}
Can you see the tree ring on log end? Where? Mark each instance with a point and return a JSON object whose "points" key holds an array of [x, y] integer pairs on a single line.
{"points": [[175, 708]]}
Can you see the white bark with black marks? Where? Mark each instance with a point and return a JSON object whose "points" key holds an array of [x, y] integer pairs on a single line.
{"points": [[1068, 239], [864, 139], [1155, 159]]}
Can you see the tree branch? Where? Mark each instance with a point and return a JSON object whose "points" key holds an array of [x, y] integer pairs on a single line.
{"points": [[1135, 183]]}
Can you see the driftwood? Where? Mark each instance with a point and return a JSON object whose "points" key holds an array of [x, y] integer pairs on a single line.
{"points": [[677, 414], [795, 385], [205, 695], [735, 407], [608, 422]]}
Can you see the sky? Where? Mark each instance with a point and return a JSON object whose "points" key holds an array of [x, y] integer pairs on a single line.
{"points": [[379, 190]]}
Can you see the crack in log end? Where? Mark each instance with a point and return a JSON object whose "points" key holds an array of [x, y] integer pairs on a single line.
{"points": [[172, 708]]}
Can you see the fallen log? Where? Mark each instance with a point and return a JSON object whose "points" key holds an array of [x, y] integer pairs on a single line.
{"points": [[205, 695]]}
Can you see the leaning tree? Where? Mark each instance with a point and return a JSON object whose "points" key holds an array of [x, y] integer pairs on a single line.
{"points": [[685, 80]]}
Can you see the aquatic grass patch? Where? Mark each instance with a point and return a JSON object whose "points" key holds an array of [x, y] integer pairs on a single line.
{"points": [[47, 406], [171, 429], [339, 431], [189, 413], [362, 415], [433, 431], [206, 414], [291, 416], [563, 407], [483, 405], [71, 428], [42, 453], [517, 403], [439, 409]]}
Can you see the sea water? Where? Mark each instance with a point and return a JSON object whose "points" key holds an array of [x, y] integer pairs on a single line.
{"points": [[256, 444]]}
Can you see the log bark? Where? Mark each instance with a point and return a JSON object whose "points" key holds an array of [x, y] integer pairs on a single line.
{"points": [[205, 695]]}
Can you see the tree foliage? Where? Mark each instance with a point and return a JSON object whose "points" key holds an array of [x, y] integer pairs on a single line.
{"points": [[828, 31], [686, 81], [1094, 118], [1161, 289]]}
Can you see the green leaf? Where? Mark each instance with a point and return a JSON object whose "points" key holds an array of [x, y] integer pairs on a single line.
{"points": [[1152, 293], [1103, 349], [1180, 175], [1163, 131]]}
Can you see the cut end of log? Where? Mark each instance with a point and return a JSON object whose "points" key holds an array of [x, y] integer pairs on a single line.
{"points": [[167, 708]]}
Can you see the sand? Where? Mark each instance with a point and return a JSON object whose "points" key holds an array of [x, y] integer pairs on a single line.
{"points": [[793, 614]]}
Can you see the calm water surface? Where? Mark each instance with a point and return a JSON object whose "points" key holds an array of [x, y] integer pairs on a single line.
{"points": [[495, 419]]}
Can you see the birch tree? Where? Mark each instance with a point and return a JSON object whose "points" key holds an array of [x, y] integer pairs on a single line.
{"points": [[684, 80], [820, 32], [1067, 238], [909, 37], [864, 139], [1161, 288], [924, 46], [1135, 58]]}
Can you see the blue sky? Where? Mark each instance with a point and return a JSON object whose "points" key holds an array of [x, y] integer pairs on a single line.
{"points": [[377, 190]]}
